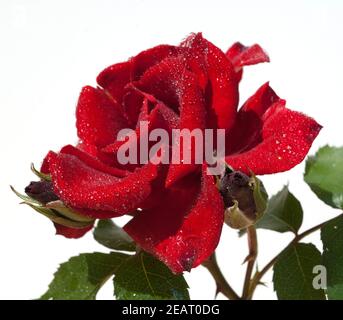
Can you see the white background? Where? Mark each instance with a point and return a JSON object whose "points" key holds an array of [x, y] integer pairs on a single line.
{"points": [[50, 49]]}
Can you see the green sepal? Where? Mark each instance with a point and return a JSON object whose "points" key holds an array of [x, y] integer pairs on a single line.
{"points": [[67, 212], [24, 197], [236, 219], [55, 217], [260, 196], [39, 174]]}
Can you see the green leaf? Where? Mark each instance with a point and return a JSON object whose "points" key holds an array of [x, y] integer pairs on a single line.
{"points": [[142, 277], [293, 273], [81, 277], [284, 213], [324, 175], [111, 236], [332, 238]]}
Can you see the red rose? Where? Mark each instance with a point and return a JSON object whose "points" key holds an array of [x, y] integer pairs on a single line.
{"points": [[177, 209]]}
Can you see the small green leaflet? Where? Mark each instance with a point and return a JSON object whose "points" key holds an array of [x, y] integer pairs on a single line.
{"points": [[324, 175], [332, 238], [113, 237], [81, 277], [284, 213], [142, 277], [293, 273]]}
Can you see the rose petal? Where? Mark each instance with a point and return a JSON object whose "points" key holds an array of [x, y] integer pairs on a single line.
{"points": [[98, 117], [72, 233], [241, 55], [45, 168], [148, 58], [51, 159], [170, 82], [171, 118], [285, 137], [185, 230], [261, 100], [248, 125], [114, 79], [222, 84], [96, 153], [160, 117], [93, 162], [80, 185], [132, 104]]}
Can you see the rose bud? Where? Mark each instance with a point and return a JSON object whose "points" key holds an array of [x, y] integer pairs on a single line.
{"points": [[41, 191], [41, 197], [244, 197]]}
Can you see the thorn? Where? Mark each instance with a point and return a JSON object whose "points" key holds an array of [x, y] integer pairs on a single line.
{"points": [[217, 292], [264, 284], [250, 257]]}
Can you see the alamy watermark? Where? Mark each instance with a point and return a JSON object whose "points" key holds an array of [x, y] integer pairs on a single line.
{"points": [[181, 146], [320, 280]]}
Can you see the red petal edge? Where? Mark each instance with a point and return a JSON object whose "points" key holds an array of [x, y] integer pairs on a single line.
{"points": [[241, 55], [71, 233], [246, 131], [98, 117], [286, 137]]}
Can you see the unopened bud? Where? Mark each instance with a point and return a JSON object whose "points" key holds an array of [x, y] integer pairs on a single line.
{"points": [[40, 196], [244, 198], [41, 191]]}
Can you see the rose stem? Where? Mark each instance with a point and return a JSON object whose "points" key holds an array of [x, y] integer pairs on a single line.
{"points": [[222, 285], [251, 259]]}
